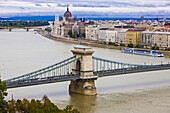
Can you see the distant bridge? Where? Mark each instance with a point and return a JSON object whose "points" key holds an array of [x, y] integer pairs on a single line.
{"points": [[25, 28], [81, 69]]}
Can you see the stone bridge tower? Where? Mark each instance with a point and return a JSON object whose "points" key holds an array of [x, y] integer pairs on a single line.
{"points": [[83, 67]]}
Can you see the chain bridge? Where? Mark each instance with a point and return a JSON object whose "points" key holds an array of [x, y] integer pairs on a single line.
{"points": [[82, 70]]}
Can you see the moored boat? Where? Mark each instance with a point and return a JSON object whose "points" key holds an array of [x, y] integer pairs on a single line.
{"points": [[143, 52]]}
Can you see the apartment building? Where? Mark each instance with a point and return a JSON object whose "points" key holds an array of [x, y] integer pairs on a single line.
{"points": [[161, 39], [91, 32], [133, 35]]}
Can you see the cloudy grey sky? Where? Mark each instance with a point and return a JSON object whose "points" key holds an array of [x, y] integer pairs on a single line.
{"points": [[104, 8]]}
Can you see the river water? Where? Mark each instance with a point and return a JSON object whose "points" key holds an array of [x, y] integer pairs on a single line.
{"points": [[22, 52]]}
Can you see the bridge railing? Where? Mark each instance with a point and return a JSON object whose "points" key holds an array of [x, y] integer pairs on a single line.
{"points": [[104, 67], [100, 64], [58, 70]]}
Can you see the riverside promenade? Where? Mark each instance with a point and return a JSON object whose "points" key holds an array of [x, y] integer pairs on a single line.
{"points": [[78, 41], [86, 42]]}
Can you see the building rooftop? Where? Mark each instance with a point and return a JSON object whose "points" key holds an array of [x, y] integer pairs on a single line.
{"points": [[149, 32], [124, 26], [167, 24], [137, 29], [67, 13], [164, 33], [103, 28], [122, 30]]}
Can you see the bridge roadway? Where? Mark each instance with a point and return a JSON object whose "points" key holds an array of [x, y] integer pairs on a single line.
{"points": [[38, 81], [69, 77], [115, 72]]}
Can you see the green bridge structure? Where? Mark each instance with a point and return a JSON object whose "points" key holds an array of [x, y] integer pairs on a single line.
{"points": [[82, 69]]}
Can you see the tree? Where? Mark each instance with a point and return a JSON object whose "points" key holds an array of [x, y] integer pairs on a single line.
{"points": [[48, 29], [49, 107], [155, 47], [130, 45], [22, 23], [3, 93], [70, 33], [11, 106], [19, 106], [111, 43], [116, 44], [122, 44], [139, 46], [33, 106], [25, 106], [69, 109], [83, 35]]}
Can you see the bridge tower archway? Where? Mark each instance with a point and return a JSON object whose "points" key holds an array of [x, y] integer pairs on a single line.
{"points": [[78, 67], [84, 68]]}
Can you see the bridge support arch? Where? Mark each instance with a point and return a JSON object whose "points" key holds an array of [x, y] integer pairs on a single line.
{"points": [[84, 68]]}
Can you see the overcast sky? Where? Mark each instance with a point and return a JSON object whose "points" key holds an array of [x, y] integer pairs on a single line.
{"points": [[85, 7]]}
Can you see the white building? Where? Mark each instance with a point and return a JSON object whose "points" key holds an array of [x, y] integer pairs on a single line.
{"points": [[161, 39], [121, 38], [91, 32], [102, 34], [107, 35], [146, 38], [111, 35]]}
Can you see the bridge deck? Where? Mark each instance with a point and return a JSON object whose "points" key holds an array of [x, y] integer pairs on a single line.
{"points": [[38, 81], [105, 73]]}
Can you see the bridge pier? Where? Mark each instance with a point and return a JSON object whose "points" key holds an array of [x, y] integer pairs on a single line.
{"points": [[85, 87], [84, 68]]}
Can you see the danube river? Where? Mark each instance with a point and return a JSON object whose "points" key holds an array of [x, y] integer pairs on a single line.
{"points": [[22, 52]]}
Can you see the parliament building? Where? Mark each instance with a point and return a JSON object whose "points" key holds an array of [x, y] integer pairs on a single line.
{"points": [[67, 25]]}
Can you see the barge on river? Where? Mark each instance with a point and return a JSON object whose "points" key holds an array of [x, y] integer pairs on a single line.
{"points": [[143, 52]]}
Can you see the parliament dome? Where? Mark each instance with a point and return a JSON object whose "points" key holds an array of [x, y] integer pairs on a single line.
{"points": [[67, 13]]}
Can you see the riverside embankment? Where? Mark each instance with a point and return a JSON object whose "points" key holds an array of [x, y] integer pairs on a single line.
{"points": [[78, 41], [86, 42]]}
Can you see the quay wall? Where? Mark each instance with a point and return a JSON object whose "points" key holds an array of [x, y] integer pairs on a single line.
{"points": [[86, 42]]}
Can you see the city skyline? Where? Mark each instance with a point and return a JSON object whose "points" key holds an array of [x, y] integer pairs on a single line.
{"points": [[91, 8]]}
